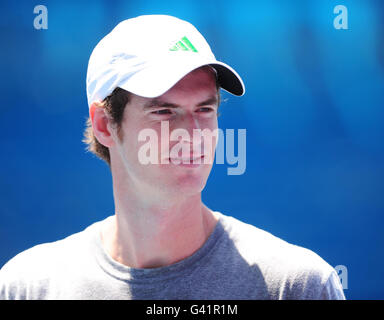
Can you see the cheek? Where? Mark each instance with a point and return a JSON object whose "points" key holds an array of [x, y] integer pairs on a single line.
{"points": [[211, 140], [148, 144], [135, 136]]}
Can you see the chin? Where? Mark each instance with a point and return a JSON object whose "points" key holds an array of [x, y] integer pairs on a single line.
{"points": [[191, 183], [181, 180]]}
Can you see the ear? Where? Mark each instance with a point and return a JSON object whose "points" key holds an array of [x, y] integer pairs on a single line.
{"points": [[101, 124]]}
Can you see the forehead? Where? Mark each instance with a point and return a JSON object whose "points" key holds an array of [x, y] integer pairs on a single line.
{"points": [[197, 84]]}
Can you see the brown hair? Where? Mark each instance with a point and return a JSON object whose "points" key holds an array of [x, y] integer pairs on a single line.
{"points": [[114, 104]]}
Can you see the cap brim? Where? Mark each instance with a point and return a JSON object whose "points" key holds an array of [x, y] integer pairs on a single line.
{"points": [[228, 79], [156, 79]]}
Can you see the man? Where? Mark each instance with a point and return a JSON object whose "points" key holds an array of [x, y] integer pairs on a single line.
{"points": [[149, 74]]}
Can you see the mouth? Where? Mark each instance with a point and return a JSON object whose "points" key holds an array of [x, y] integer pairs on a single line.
{"points": [[188, 161]]}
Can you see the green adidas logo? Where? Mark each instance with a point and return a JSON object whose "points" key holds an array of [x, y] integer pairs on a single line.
{"points": [[184, 44]]}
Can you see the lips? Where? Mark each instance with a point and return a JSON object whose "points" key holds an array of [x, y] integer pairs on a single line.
{"points": [[187, 159]]}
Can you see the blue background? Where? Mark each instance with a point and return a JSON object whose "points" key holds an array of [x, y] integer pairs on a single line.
{"points": [[313, 110]]}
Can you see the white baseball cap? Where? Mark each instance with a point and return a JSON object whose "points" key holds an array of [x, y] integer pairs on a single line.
{"points": [[148, 55]]}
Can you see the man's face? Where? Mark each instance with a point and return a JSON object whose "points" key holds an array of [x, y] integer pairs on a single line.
{"points": [[191, 104]]}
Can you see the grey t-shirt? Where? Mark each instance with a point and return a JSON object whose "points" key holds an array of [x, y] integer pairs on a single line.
{"points": [[238, 261]]}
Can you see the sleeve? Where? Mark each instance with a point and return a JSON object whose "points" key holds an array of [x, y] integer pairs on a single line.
{"points": [[10, 285], [4, 286], [18, 275], [333, 289], [3, 289]]}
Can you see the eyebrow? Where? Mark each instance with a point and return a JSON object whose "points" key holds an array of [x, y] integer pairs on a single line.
{"points": [[155, 103]]}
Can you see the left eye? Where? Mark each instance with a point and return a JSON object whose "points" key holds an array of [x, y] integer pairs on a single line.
{"points": [[206, 109]]}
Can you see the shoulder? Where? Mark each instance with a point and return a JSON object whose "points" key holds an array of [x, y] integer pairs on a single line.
{"points": [[43, 254], [290, 271], [37, 266]]}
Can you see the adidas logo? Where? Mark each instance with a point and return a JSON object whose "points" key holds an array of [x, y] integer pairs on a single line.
{"points": [[184, 44]]}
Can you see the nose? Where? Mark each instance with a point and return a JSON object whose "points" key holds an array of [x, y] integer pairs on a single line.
{"points": [[190, 123]]}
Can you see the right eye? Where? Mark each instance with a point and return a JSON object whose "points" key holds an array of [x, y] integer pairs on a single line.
{"points": [[162, 111]]}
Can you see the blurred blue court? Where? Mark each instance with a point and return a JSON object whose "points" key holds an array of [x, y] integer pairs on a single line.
{"points": [[313, 111]]}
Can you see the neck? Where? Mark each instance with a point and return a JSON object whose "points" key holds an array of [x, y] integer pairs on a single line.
{"points": [[146, 234]]}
